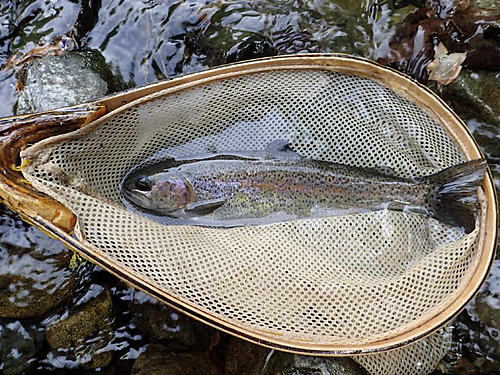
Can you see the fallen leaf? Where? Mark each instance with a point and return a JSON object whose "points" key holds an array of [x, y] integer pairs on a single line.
{"points": [[445, 67]]}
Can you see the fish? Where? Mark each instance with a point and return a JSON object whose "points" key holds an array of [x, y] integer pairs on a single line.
{"points": [[274, 185]]}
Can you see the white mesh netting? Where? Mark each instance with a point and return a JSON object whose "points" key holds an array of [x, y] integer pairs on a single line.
{"points": [[339, 280], [419, 358]]}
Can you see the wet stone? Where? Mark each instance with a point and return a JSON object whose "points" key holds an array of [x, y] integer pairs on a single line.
{"points": [[475, 95], [160, 323], [488, 310], [82, 333], [35, 277], [59, 81], [20, 344], [158, 360], [244, 358]]}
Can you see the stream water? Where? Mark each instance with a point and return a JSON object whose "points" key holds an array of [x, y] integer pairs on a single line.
{"points": [[142, 41]]}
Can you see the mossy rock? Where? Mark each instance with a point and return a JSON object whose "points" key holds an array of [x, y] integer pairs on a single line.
{"points": [[161, 323], [86, 330]]}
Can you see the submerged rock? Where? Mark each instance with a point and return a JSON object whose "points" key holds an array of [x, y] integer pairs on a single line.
{"points": [[478, 330], [488, 310], [59, 81], [20, 344], [244, 358], [475, 95], [35, 277], [84, 332], [162, 323], [158, 360]]}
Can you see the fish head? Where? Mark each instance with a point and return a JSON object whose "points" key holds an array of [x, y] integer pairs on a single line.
{"points": [[161, 193]]}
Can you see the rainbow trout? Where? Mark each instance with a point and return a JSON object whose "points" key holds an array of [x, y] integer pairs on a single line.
{"points": [[234, 189]]}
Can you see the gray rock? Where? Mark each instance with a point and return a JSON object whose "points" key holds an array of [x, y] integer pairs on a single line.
{"points": [[162, 323], [35, 278], [82, 335], [20, 344], [158, 360], [60, 81], [244, 358]]}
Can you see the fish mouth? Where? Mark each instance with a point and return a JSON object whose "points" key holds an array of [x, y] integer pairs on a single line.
{"points": [[138, 197], [135, 189], [143, 192]]}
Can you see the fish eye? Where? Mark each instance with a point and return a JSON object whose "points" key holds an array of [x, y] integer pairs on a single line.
{"points": [[143, 184]]}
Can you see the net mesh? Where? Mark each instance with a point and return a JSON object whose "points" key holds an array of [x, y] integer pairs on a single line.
{"points": [[421, 357], [338, 280]]}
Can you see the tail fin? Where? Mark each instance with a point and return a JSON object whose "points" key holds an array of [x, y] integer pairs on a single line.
{"points": [[453, 193]]}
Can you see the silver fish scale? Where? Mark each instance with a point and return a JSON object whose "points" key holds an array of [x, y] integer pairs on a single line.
{"points": [[305, 188]]}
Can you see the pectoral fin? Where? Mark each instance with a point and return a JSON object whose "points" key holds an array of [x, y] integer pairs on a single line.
{"points": [[203, 207]]}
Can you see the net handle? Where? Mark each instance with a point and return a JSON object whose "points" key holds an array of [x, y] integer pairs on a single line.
{"points": [[19, 132]]}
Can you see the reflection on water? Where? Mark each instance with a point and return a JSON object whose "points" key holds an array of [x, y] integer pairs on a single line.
{"points": [[143, 41], [53, 316]]}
